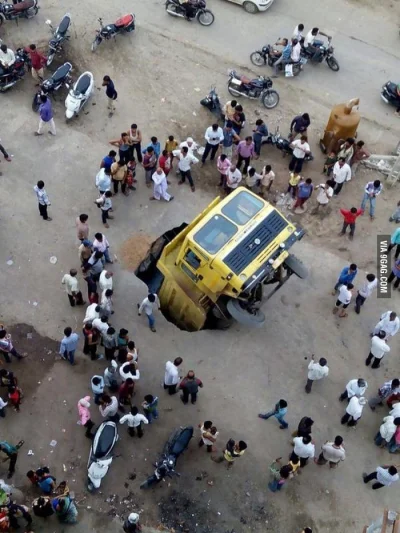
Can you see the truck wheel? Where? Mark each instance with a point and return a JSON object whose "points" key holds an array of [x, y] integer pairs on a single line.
{"points": [[296, 266], [256, 320]]}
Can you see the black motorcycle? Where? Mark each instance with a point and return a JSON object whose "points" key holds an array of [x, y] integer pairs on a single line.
{"points": [[124, 24], [174, 447], [199, 11], [59, 37], [282, 144], [390, 95], [265, 56], [60, 78], [326, 52], [212, 103], [26, 9], [259, 88], [12, 75]]}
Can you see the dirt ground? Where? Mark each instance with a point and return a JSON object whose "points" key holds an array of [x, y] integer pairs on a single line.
{"points": [[161, 72]]}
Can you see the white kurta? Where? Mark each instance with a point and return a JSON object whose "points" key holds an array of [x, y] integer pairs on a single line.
{"points": [[390, 327], [160, 186]]}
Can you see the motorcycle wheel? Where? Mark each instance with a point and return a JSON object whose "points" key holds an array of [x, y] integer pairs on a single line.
{"points": [[205, 17], [257, 59], [332, 63], [149, 482], [231, 91], [50, 58], [270, 99], [95, 44], [36, 103], [296, 69]]}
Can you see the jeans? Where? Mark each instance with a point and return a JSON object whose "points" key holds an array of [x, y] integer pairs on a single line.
{"points": [[275, 486], [75, 300], [309, 385], [359, 302], [151, 320], [213, 148], [151, 414], [3, 151], [171, 389], [138, 149], [338, 284], [104, 215], [349, 420], [186, 174], [392, 446], [296, 164], [43, 211], [2, 413], [257, 139], [372, 203], [337, 188], [279, 418], [13, 352], [186, 394], [376, 362], [69, 356], [352, 228], [397, 253], [391, 278], [107, 255], [373, 475], [116, 186], [240, 161], [13, 460], [379, 440]]}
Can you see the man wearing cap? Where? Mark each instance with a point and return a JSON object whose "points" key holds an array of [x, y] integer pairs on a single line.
{"points": [[353, 411], [72, 288], [131, 524], [85, 251], [389, 323]]}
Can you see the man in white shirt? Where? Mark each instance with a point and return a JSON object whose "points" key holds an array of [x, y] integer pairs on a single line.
{"points": [[355, 387], [385, 476], [300, 149], [92, 312], [343, 299], [312, 44], [171, 377], [135, 420], [296, 51], [316, 371], [389, 323], [341, 173], [190, 144], [298, 32], [185, 161], [72, 288], [160, 187], [106, 280], [103, 180], [109, 407], [386, 431], [101, 244], [7, 57], [332, 452], [325, 193], [304, 449], [354, 411], [147, 306], [365, 291], [101, 324], [214, 137], [378, 349], [233, 178]]}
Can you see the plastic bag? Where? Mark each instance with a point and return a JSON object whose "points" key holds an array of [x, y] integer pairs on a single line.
{"points": [[288, 71]]}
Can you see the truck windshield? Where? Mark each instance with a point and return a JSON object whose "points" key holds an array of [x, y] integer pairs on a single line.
{"points": [[215, 234], [242, 208]]}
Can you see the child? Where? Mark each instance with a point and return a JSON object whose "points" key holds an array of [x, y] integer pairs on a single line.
{"points": [[97, 383], [267, 179], [209, 435], [150, 405], [131, 174], [111, 376], [14, 395], [134, 420], [252, 178], [171, 145], [344, 299], [350, 220], [84, 416], [294, 180], [329, 163], [396, 215]]}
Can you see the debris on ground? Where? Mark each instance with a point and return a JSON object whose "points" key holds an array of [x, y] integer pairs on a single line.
{"points": [[134, 250]]}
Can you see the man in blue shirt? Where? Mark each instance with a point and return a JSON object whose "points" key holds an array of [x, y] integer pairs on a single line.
{"points": [[109, 159], [278, 412], [346, 276], [12, 454], [285, 56], [155, 144], [229, 136], [68, 345], [111, 94], [371, 191]]}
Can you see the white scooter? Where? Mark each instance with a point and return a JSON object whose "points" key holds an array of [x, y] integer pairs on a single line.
{"points": [[79, 94], [100, 457]]}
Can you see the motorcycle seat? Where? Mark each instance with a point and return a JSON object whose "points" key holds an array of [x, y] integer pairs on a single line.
{"points": [[22, 6], [64, 25], [245, 80], [83, 84], [61, 72], [106, 440], [126, 20]]}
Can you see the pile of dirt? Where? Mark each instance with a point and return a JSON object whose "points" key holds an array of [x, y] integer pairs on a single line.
{"points": [[134, 250]]}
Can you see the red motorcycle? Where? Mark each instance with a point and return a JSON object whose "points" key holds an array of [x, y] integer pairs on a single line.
{"points": [[124, 24]]}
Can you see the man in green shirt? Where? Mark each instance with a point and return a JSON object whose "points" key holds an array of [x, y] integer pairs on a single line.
{"points": [[12, 455]]}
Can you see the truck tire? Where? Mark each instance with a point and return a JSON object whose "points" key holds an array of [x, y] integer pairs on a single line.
{"points": [[296, 266], [244, 317]]}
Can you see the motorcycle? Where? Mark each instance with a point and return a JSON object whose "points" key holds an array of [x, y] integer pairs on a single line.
{"points": [[124, 24], [100, 457], [79, 94], [59, 37], [203, 15], [174, 447], [259, 88], [264, 56], [57, 80], [282, 144], [212, 103], [9, 77], [326, 52], [27, 9], [390, 95]]}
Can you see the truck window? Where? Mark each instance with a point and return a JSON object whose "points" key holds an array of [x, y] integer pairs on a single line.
{"points": [[215, 234], [242, 208], [192, 259]]}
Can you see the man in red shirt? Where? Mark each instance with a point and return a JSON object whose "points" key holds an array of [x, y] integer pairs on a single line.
{"points": [[38, 61], [350, 220]]}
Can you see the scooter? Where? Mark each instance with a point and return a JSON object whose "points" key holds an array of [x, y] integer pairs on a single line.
{"points": [[59, 37], [282, 144], [60, 78], [174, 447], [79, 94], [27, 9], [124, 24], [100, 457], [212, 103]]}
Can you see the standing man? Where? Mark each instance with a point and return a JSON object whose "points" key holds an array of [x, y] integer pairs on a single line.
{"points": [[149, 164], [106, 280], [395, 241], [214, 137], [111, 94], [371, 191], [384, 475], [101, 244], [365, 291], [389, 323], [304, 192], [12, 454], [245, 152], [185, 161], [72, 288], [190, 387], [341, 173], [259, 132], [38, 62], [332, 452], [316, 371], [232, 450], [119, 172], [355, 387], [68, 345], [304, 449], [43, 200], [171, 377], [278, 412], [233, 178], [300, 149], [103, 180], [346, 276], [108, 407], [229, 110], [349, 219], [388, 389], [360, 153], [343, 299], [160, 188], [46, 116], [354, 411], [378, 349], [299, 126], [229, 137], [82, 227], [147, 306], [7, 348]]}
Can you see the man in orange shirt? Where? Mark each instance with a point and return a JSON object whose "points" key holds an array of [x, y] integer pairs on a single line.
{"points": [[350, 220]]}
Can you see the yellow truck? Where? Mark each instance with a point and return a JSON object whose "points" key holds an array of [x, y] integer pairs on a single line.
{"points": [[213, 271]]}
